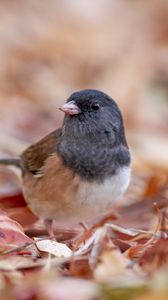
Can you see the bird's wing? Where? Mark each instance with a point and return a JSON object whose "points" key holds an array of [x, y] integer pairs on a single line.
{"points": [[34, 157]]}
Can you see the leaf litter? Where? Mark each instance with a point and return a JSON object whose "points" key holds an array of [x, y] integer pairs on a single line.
{"points": [[121, 256]]}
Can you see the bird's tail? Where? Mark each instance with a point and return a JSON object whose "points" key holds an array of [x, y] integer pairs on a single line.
{"points": [[10, 162]]}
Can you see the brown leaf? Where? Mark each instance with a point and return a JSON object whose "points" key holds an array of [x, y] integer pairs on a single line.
{"points": [[24, 216], [155, 256], [11, 233], [112, 264]]}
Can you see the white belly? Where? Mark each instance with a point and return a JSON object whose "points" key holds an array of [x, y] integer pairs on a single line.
{"points": [[92, 199]]}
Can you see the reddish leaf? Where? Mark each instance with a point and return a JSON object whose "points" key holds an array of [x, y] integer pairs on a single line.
{"points": [[24, 216], [11, 233], [156, 256], [11, 201]]}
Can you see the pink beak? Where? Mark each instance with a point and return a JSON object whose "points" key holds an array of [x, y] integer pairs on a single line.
{"points": [[70, 108]]}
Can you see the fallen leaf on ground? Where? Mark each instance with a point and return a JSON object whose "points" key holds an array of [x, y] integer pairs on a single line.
{"points": [[11, 233], [20, 262], [112, 264], [54, 248], [155, 256], [65, 289]]}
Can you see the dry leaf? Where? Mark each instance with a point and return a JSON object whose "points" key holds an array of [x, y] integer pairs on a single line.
{"points": [[19, 262], [112, 264], [155, 256], [65, 289], [54, 248], [11, 233]]}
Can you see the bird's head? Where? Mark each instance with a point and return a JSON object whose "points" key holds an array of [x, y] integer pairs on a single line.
{"points": [[92, 113]]}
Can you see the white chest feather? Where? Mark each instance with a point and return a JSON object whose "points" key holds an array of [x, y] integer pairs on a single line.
{"points": [[98, 198]]}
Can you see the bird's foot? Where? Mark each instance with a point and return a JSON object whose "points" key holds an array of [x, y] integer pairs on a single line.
{"points": [[88, 231], [49, 227]]}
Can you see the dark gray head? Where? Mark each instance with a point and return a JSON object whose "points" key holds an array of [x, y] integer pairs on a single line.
{"points": [[93, 114], [93, 142]]}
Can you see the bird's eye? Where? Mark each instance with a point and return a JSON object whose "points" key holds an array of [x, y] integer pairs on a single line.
{"points": [[95, 106]]}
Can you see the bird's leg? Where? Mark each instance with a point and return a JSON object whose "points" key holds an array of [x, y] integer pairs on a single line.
{"points": [[49, 226], [81, 237], [88, 231], [84, 225]]}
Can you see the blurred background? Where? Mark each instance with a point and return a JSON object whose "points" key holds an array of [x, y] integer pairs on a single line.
{"points": [[49, 49]]}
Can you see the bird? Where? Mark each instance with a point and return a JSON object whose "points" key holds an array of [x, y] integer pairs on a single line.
{"points": [[78, 171]]}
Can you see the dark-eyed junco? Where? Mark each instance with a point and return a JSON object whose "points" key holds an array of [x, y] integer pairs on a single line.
{"points": [[76, 172]]}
